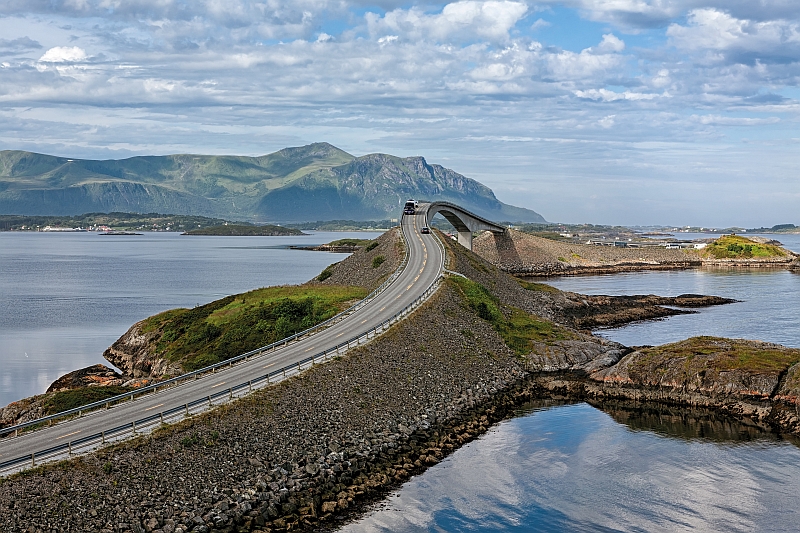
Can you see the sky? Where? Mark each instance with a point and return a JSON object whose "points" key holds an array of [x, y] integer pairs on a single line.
{"points": [[636, 112]]}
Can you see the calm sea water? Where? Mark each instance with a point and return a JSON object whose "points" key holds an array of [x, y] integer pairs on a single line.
{"points": [[576, 468], [66, 297], [767, 308]]}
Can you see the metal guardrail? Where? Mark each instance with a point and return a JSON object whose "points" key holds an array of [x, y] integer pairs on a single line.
{"points": [[148, 423], [211, 368]]}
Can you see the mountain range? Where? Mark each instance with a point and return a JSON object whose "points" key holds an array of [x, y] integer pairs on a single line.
{"points": [[307, 183]]}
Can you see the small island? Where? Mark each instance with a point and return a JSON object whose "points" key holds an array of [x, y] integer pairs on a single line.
{"points": [[240, 230]]}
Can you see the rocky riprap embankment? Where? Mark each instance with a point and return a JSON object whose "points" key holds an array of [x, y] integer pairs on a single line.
{"points": [[522, 254], [358, 269]]}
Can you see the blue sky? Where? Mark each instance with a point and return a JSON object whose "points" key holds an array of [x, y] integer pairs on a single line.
{"points": [[603, 111]]}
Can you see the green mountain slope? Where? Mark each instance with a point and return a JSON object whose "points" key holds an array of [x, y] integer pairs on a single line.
{"points": [[307, 183]]}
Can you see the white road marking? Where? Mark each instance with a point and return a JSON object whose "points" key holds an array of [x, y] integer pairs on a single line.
{"points": [[149, 408], [68, 434]]}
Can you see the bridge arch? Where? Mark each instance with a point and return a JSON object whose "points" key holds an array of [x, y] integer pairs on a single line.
{"points": [[465, 222]]}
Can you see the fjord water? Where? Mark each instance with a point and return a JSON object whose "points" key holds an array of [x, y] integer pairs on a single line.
{"points": [[66, 297], [576, 468], [767, 308]]}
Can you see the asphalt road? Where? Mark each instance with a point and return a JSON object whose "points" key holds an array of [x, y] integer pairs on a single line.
{"points": [[424, 266]]}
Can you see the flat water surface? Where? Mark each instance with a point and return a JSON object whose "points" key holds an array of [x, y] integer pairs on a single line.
{"points": [[767, 309], [576, 468], [66, 297]]}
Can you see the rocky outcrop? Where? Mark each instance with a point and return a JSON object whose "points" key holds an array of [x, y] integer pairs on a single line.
{"points": [[91, 376], [133, 354], [583, 356], [590, 312]]}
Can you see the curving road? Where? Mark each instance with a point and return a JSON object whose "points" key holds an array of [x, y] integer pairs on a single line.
{"points": [[425, 264]]}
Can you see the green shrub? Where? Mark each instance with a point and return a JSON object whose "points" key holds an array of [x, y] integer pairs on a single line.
{"points": [[325, 274], [70, 399], [738, 247], [517, 328], [378, 261], [371, 246]]}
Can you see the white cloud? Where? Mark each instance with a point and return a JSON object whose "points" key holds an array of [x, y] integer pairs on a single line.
{"points": [[466, 19], [64, 54], [711, 29], [611, 96], [540, 24], [607, 121], [643, 14], [610, 43], [719, 120]]}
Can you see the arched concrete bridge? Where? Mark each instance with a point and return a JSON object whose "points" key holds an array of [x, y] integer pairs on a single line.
{"points": [[465, 222]]}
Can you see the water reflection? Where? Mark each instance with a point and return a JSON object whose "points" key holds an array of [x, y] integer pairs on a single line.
{"points": [[576, 468], [687, 424]]}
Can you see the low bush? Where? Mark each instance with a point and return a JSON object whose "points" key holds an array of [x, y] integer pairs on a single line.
{"points": [[517, 328], [70, 399], [377, 261]]}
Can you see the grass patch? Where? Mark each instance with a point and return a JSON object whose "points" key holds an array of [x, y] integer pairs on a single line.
{"points": [[517, 328], [371, 246], [377, 261], [537, 287], [722, 355], [228, 327], [352, 242], [738, 247], [325, 274], [70, 399]]}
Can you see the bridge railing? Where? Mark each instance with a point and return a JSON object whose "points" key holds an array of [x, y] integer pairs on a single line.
{"points": [[150, 422], [107, 403]]}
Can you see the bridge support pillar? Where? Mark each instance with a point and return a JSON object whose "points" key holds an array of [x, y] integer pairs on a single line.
{"points": [[463, 221], [465, 239]]}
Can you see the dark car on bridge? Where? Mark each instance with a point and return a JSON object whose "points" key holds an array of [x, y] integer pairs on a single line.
{"points": [[426, 229]]}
